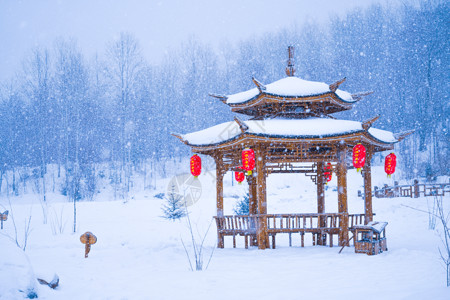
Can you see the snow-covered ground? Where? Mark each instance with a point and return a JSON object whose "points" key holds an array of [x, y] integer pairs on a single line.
{"points": [[139, 255]]}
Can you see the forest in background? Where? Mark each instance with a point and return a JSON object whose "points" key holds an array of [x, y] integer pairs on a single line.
{"points": [[115, 109]]}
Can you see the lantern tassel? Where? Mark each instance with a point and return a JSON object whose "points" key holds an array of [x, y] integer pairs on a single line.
{"points": [[358, 170], [249, 173]]}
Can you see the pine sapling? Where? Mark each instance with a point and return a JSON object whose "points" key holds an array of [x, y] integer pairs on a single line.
{"points": [[174, 208]]}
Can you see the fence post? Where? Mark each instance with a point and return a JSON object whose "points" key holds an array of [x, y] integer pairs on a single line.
{"points": [[416, 188], [396, 189]]}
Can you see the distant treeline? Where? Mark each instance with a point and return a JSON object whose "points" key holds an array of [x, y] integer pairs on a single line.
{"points": [[66, 109]]}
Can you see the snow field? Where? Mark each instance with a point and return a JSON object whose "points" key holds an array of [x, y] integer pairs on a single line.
{"points": [[139, 255]]}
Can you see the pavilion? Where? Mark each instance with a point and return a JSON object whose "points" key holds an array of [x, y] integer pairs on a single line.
{"points": [[291, 130]]}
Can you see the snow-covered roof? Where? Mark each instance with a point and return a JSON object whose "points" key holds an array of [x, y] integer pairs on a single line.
{"points": [[288, 128], [290, 87]]}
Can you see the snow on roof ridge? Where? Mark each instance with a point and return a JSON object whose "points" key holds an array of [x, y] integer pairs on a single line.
{"points": [[307, 128], [290, 86]]}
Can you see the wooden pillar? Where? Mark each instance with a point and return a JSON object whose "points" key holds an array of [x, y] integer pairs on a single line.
{"points": [[261, 234], [342, 195], [252, 207], [219, 196], [367, 173], [321, 200]]}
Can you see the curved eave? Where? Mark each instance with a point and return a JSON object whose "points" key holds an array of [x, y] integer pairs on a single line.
{"points": [[267, 98], [348, 137]]}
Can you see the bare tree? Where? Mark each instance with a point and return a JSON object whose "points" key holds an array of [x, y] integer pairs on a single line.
{"points": [[124, 66], [72, 88], [37, 88]]}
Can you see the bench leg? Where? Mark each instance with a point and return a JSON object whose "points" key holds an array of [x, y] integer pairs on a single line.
{"points": [[303, 238], [290, 239], [234, 241], [220, 241], [314, 239], [246, 241], [331, 240], [273, 241]]}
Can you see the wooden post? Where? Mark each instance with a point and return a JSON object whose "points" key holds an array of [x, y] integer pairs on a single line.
{"points": [[416, 188], [219, 196], [342, 195], [261, 234], [367, 173], [253, 209], [321, 201], [396, 189]]}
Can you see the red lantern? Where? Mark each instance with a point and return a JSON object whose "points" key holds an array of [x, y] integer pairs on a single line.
{"points": [[196, 165], [328, 173], [248, 160], [359, 156], [239, 176], [389, 164]]}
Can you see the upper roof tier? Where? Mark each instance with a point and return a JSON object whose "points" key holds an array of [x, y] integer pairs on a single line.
{"points": [[291, 97]]}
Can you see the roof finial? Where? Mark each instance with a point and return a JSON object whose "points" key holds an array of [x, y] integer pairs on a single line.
{"points": [[290, 70]]}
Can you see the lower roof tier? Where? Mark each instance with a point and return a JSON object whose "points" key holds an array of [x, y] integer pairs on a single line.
{"points": [[297, 130]]}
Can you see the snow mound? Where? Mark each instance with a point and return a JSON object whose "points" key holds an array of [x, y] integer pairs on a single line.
{"points": [[17, 280]]}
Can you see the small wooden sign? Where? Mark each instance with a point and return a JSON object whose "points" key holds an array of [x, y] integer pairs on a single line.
{"points": [[88, 238], [3, 217]]}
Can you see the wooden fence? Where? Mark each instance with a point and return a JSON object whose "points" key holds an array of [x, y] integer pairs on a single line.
{"points": [[415, 190]]}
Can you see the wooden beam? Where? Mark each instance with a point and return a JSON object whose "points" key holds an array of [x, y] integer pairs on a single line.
{"points": [[359, 96], [402, 135], [222, 98], [334, 86], [368, 123], [241, 124], [259, 85]]}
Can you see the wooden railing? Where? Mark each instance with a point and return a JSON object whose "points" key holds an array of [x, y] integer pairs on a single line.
{"points": [[237, 224], [415, 190], [279, 223], [319, 225], [289, 223]]}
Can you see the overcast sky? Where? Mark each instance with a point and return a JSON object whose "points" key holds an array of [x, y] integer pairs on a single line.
{"points": [[159, 25]]}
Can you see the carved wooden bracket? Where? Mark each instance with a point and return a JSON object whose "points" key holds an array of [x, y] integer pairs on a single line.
{"points": [[359, 96], [259, 85], [222, 98], [179, 137], [242, 126], [368, 123], [334, 86], [401, 135]]}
